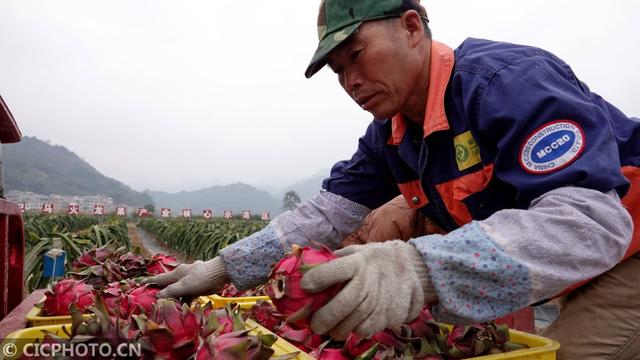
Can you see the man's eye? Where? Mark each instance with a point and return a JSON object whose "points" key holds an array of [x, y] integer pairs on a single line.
{"points": [[355, 54]]}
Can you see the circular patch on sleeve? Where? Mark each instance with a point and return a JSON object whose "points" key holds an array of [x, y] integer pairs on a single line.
{"points": [[551, 147]]}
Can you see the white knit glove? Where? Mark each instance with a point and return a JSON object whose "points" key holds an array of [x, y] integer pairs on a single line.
{"points": [[198, 278], [388, 285]]}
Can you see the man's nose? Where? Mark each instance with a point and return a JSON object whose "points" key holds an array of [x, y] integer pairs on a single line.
{"points": [[353, 82]]}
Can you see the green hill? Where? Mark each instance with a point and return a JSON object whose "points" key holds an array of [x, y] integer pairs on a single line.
{"points": [[33, 165], [236, 197]]}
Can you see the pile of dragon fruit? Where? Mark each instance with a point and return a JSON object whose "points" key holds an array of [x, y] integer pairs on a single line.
{"points": [[171, 331], [423, 338], [109, 273], [103, 284]]}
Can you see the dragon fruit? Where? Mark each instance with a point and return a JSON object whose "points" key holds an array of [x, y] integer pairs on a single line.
{"points": [[222, 321], [172, 330], [125, 298], [91, 257], [264, 314], [329, 354], [161, 263], [111, 294], [304, 339], [479, 339], [236, 345], [284, 287], [66, 292], [133, 264]]}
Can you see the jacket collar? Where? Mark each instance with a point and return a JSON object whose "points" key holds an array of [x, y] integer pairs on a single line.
{"points": [[435, 119]]}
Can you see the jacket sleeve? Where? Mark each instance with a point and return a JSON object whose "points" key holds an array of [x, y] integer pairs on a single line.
{"points": [[487, 269], [325, 219], [557, 149], [545, 131], [353, 188]]}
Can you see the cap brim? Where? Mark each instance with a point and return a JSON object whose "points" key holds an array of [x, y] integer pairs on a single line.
{"points": [[330, 42]]}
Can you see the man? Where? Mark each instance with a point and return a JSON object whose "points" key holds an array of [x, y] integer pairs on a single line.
{"points": [[499, 144]]}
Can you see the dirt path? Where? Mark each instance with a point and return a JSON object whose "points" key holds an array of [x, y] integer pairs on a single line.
{"points": [[150, 246]]}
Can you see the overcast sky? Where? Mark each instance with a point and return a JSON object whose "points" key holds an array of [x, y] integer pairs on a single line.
{"points": [[176, 94]]}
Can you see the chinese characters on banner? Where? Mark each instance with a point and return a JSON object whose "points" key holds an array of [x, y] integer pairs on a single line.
{"points": [[21, 206], [74, 209], [98, 209], [47, 208], [165, 212]]}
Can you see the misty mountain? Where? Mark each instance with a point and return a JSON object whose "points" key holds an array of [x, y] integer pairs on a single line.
{"points": [[305, 188], [36, 166], [235, 197]]}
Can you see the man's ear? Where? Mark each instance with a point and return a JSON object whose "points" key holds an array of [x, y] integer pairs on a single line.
{"points": [[412, 22]]}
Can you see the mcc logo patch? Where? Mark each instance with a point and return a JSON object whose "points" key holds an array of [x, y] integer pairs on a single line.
{"points": [[551, 147]]}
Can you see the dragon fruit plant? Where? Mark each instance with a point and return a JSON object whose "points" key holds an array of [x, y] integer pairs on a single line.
{"points": [[284, 290], [64, 293]]}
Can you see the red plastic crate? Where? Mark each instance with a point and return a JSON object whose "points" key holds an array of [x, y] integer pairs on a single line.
{"points": [[523, 320]]}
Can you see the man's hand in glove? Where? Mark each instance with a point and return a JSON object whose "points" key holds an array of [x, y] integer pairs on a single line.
{"points": [[388, 284], [198, 278]]}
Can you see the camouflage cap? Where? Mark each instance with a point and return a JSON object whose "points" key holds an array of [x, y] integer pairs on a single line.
{"points": [[338, 19]]}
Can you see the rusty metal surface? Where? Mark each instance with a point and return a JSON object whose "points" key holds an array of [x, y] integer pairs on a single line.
{"points": [[9, 132]]}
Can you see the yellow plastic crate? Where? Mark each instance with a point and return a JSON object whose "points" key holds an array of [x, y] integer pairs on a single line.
{"points": [[281, 346], [540, 348], [13, 346], [244, 302], [36, 319]]}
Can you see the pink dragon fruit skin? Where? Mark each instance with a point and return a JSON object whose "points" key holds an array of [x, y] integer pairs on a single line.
{"points": [[111, 296], [172, 329], [66, 292], [330, 354], [356, 345], [223, 318], [304, 339], [139, 299], [92, 257], [264, 313], [232, 346], [124, 299], [161, 263], [284, 287]]}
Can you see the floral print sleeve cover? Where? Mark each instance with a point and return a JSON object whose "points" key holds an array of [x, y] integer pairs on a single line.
{"points": [[489, 268], [325, 219]]}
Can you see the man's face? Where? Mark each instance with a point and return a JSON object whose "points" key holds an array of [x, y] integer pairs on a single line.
{"points": [[372, 67]]}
